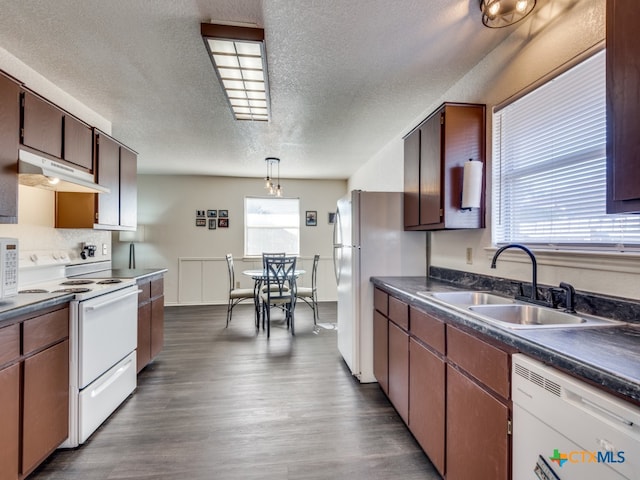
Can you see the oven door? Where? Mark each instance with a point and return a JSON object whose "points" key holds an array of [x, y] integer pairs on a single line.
{"points": [[107, 332]]}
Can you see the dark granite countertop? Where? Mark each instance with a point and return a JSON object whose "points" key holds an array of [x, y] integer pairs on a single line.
{"points": [[25, 303], [606, 356]]}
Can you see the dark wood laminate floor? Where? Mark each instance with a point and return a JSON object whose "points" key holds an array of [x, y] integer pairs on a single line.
{"points": [[229, 404]]}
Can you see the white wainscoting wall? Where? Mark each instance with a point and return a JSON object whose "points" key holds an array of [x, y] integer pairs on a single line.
{"points": [[205, 280]]}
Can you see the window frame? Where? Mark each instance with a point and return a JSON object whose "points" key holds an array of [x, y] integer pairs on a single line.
{"points": [[247, 227], [498, 187]]}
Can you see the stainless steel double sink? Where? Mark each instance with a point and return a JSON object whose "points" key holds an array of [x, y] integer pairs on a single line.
{"points": [[506, 312]]}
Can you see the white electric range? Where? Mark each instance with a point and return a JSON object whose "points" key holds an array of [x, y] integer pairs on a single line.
{"points": [[103, 326]]}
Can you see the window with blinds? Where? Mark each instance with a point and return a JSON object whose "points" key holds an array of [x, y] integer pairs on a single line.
{"points": [[549, 166], [271, 224]]}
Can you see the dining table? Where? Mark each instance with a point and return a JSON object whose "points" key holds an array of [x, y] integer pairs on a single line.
{"points": [[259, 276]]}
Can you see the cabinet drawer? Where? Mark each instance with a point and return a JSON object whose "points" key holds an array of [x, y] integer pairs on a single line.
{"points": [[381, 301], [45, 330], [157, 287], [9, 343], [428, 329], [399, 313], [488, 364]]}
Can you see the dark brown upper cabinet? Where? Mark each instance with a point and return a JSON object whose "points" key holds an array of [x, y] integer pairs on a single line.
{"points": [[41, 125], [434, 156], [78, 143], [10, 121], [623, 107], [116, 167]]}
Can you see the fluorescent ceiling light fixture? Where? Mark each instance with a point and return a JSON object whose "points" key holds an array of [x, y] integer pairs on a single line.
{"points": [[239, 58]]}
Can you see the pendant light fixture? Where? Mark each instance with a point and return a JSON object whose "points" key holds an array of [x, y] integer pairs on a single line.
{"points": [[502, 13], [273, 188]]}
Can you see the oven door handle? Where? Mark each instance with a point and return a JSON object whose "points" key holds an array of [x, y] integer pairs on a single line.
{"points": [[111, 302]]}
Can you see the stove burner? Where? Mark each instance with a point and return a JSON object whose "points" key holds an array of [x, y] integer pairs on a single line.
{"points": [[34, 290], [77, 282], [108, 281], [72, 290]]}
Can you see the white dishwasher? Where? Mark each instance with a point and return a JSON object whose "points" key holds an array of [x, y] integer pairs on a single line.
{"points": [[564, 429]]}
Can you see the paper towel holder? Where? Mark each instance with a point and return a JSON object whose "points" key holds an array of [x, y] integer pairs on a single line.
{"points": [[472, 180]]}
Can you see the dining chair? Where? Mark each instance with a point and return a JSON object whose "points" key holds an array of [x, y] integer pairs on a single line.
{"points": [[237, 295], [310, 294], [280, 276], [266, 255]]}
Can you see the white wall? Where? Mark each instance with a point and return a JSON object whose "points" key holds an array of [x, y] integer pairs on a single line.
{"points": [[559, 31], [195, 256], [36, 233]]}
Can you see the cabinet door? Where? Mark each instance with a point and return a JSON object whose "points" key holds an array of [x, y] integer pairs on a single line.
{"points": [[477, 444], [412, 179], [9, 136], [399, 370], [381, 350], [78, 143], [157, 325], [9, 422], [143, 352], [427, 402], [45, 404], [430, 171], [128, 188], [42, 125], [108, 165], [623, 110]]}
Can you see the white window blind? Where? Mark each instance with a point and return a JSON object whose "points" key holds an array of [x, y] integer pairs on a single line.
{"points": [[549, 151], [271, 225]]}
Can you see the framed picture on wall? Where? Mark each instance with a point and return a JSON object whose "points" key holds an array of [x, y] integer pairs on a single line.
{"points": [[311, 217], [200, 213], [223, 223], [201, 222], [212, 213], [212, 224], [332, 218], [223, 213]]}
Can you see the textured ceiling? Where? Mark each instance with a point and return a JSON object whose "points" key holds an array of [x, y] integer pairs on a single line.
{"points": [[346, 76]]}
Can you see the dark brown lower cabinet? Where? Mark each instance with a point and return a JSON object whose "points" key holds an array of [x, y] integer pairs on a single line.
{"points": [[9, 421], [477, 431], [399, 370], [381, 350], [150, 319], [451, 386], [45, 415], [427, 376]]}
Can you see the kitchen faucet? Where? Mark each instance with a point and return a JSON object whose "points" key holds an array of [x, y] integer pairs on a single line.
{"points": [[533, 298]]}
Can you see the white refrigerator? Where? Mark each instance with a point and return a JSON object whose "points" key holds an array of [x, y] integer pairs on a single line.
{"points": [[369, 240]]}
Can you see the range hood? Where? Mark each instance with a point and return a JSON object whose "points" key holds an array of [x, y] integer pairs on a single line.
{"points": [[42, 172]]}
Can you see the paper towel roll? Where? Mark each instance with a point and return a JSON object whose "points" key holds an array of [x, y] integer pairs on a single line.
{"points": [[472, 184]]}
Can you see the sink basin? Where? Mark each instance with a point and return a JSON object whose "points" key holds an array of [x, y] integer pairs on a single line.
{"points": [[469, 298], [532, 316]]}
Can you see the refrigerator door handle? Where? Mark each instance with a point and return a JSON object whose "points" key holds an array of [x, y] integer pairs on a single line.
{"points": [[337, 248], [337, 253]]}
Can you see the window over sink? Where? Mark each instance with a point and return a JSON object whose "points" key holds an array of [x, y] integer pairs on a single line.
{"points": [[549, 166]]}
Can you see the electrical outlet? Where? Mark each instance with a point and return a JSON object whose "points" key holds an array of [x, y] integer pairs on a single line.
{"points": [[105, 249], [469, 256]]}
